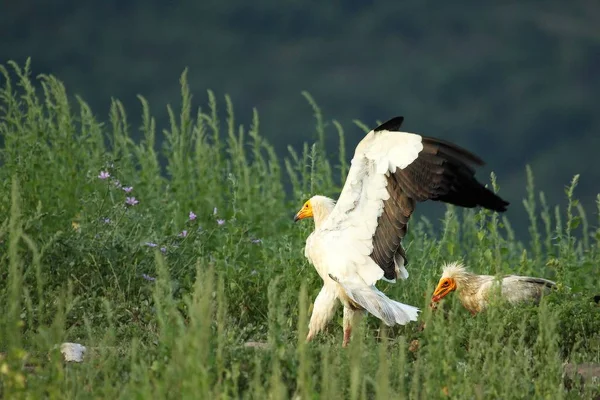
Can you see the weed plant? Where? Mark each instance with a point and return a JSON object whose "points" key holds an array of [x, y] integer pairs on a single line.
{"points": [[166, 259]]}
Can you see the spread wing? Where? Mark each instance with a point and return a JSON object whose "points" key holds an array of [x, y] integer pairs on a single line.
{"points": [[391, 171]]}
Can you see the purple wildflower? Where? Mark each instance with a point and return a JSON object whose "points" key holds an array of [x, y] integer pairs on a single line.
{"points": [[215, 211], [150, 244], [183, 233], [163, 250], [127, 189], [106, 220], [148, 277], [104, 175], [131, 201], [192, 216], [220, 221]]}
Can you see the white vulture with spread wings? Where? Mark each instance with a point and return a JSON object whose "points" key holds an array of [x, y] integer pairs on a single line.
{"points": [[357, 240]]}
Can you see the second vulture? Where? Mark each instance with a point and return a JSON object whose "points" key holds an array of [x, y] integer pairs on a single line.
{"points": [[474, 291], [357, 240]]}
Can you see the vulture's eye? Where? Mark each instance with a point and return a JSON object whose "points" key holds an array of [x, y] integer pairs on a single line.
{"points": [[445, 284]]}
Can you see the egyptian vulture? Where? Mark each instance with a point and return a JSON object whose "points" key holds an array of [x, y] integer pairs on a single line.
{"points": [[357, 240], [474, 291]]}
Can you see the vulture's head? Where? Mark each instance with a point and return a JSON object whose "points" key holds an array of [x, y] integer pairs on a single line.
{"points": [[453, 275], [317, 207]]}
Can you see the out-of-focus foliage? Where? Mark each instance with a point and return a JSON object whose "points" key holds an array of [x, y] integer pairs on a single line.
{"points": [[517, 83]]}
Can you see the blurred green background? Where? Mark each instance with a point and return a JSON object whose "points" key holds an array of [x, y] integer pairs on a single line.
{"points": [[516, 82]]}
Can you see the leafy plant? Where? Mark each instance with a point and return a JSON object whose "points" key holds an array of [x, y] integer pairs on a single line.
{"points": [[170, 263]]}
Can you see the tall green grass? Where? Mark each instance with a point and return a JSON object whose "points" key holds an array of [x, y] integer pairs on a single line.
{"points": [[166, 303]]}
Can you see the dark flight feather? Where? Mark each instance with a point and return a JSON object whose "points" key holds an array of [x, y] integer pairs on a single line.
{"points": [[442, 172], [393, 124]]}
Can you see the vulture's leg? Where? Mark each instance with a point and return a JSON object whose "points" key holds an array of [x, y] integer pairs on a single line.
{"points": [[351, 318], [347, 333]]}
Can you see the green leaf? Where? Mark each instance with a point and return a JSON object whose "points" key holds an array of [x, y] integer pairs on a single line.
{"points": [[487, 254], [480, 236], [574, 223]]}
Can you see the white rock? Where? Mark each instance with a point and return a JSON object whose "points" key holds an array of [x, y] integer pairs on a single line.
{"points": [[73, 351]]}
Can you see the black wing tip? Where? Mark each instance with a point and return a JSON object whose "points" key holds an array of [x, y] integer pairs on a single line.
{"points": [[474, 195], [495, 202], [393, 124], [492, 201], [498, 204]]}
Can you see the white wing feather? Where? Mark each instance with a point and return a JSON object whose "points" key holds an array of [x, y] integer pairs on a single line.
{"points": [[346, 236]]}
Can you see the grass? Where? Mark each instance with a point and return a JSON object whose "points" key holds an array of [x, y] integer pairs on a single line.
{"points": [[167, 314]]}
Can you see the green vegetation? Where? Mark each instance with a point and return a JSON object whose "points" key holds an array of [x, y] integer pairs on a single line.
{"points": [[165, 300], [515, 82]]}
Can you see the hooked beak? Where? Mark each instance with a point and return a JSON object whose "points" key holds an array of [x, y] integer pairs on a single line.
{"points": [[438, 297], [303, 213], [442, 291]]}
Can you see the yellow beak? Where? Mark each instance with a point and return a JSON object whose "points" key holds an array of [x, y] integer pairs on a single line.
{"points": [[442, 291], [303, 213]]}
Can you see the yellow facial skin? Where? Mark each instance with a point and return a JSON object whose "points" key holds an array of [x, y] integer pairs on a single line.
{"points": [[305, 212], [444, 287]]}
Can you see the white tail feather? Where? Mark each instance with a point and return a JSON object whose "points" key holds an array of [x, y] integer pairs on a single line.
{"points": [[375, 302]]}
